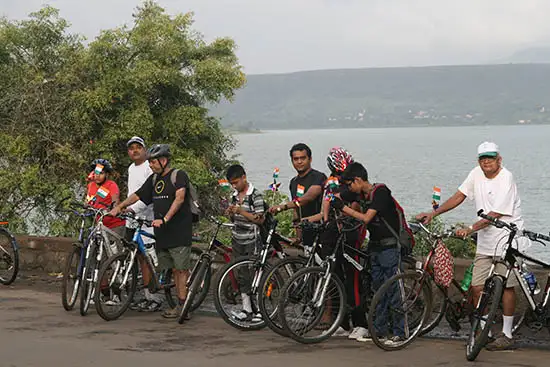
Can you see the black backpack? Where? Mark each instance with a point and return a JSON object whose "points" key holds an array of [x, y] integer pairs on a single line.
{"points": [[269, 218], [196, 211]]}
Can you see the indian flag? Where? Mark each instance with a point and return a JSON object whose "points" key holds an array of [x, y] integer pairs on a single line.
{"points": [[300, 191], [102, 192], [332, 182], [276, 172], [436, 194], [224, 184], [98, 169]]}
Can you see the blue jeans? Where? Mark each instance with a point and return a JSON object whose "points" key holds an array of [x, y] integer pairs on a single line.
{"points": [[384, 265]]}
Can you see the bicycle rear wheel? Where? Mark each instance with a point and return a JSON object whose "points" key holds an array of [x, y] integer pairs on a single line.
{"points": [[271, 284], [9, 258], [398, 311], [71, 279], [311, 306], [484, 316], [115, 290]]}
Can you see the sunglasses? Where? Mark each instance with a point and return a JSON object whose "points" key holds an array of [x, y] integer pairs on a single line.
{"points": [[484, 157]]}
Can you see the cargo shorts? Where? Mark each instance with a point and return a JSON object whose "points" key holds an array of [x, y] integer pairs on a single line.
{"points": [[482, 266], [178, 258]]}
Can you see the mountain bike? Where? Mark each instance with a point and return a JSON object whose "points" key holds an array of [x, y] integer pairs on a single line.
{"points": [[118, 277], [538, 315], [74, 264], [247, 272], [9, 256], [313, 302], [453, 303]]}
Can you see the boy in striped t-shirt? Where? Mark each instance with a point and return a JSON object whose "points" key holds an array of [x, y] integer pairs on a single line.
{"points": [[247, 213]]}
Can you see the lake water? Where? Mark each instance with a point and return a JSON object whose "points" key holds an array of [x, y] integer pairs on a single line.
{"points": [[412, 160]]}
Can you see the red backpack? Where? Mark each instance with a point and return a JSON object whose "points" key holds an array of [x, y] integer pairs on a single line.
{"points": [[405, 236]]}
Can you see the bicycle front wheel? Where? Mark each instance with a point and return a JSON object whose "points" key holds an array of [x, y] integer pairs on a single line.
{"points": [[484, 316], [198, 278], [71, 279], [398, 310], [271, 284], [88, 279], [9, 258], [117, 284], [312, 305]]}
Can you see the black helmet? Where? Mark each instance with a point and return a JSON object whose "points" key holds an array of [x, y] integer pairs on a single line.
{"points": [[159, 151], [105, 163]]}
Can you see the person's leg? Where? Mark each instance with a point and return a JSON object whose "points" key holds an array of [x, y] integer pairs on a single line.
{"points": [[377, 274]]}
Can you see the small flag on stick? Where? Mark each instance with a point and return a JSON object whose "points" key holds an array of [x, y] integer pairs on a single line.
{"points": [[436, 197], [224, 184]]}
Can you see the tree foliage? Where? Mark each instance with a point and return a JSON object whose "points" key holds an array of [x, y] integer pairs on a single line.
{"points": [[64, 103]]}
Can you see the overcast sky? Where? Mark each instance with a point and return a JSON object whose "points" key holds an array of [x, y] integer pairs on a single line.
{"points": [[291, 35]]}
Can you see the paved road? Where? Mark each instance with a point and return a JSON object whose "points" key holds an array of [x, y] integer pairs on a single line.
{"points": [[36, 331]]}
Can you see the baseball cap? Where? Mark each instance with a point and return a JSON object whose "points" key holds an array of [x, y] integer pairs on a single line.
{"points": [[136, 139], [487, 149]]}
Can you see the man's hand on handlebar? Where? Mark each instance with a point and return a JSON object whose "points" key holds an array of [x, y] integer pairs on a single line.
{"points": [[425, 218], [464, 232]]}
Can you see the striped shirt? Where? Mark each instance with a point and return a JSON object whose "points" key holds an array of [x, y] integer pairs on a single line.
{"points": [[245, 232]]}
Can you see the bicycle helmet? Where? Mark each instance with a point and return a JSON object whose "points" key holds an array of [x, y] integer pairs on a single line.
{"points": [[338, 159], [105, 163], [159, 151]]}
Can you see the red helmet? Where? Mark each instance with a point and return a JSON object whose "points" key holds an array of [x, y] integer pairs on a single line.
{"points": [[338, 159]]}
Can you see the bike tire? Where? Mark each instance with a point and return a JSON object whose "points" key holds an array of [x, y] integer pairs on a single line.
{"points": [[301, 277], [8, 240], [123, 258], [70, 273], [439, 304], [416, 323], [194, 288], [493, 287], [266, 287], [86, 286], [225, 273]]}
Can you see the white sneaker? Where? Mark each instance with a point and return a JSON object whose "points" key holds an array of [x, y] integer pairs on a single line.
{"points": [[257, 317], [114, 301], [358, 332], [341, 332]]}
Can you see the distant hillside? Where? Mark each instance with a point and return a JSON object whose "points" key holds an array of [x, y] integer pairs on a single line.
{"points": [[384, 97], [534, 55]]}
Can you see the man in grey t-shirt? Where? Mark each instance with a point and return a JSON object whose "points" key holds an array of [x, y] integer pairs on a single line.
{"points": [[247, 213]]}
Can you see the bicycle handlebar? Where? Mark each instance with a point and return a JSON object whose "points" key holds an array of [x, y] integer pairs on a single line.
{"points": [[533, 236]]}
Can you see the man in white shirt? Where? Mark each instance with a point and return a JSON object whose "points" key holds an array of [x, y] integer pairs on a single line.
{"points": [[494, 190], [138, 172]]}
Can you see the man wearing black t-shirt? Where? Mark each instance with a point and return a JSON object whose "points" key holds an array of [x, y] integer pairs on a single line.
{"points": [[168, 191], [382, 243], [306, 189]]}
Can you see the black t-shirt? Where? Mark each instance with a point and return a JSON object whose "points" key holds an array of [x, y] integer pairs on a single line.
{"points": [[383, 203], [300, 185], [178, 230]]}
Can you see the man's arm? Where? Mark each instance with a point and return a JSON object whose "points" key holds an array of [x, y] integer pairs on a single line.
{"points": [[364, 217], [311, 195], [256, 218], [176, 204], [129, 201], [479, 225]]}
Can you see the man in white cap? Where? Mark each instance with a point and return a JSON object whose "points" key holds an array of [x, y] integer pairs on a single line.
{"points": [[138, 172], [494, 190]]}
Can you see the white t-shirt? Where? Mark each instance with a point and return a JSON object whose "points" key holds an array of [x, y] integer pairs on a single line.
{"points": [[499, 195], [137, 175]]}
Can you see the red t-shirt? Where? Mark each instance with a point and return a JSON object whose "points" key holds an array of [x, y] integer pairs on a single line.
{"points": [[103, 199]]}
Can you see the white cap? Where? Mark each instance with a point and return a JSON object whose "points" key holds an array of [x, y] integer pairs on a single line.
{"points": [[487, 149], [136, 139]]}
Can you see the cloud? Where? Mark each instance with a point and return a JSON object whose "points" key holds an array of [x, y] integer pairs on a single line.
{"points": [[289, 35]]}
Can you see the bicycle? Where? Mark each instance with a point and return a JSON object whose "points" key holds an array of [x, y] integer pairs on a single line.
{"points": [[273, 280], [74, 265], [9, 256], [491, 295], [455, 304], [255, 265], [306, 303]]}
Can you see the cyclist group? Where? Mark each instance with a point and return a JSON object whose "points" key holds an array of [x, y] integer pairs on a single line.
{"points": [[161, 193]]}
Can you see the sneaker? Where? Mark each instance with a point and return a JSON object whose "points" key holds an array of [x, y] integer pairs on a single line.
{"points": [[172, 313], [151, 306], [394, 341], [358, 332], [341, 332], [502, 342], [257, 317], [138, 306], [114, 301], [242, 315]]}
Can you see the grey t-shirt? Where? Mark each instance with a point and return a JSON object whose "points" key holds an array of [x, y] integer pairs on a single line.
{"points": [[245, 231]]}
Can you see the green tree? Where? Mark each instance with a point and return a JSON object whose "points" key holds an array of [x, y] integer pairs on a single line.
{"points": [[64, 103]]}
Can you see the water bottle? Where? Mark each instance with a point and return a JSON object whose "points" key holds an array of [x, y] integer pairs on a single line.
{"points": [[162, 276], [465, 285], [530, 279], [150, 249]]}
